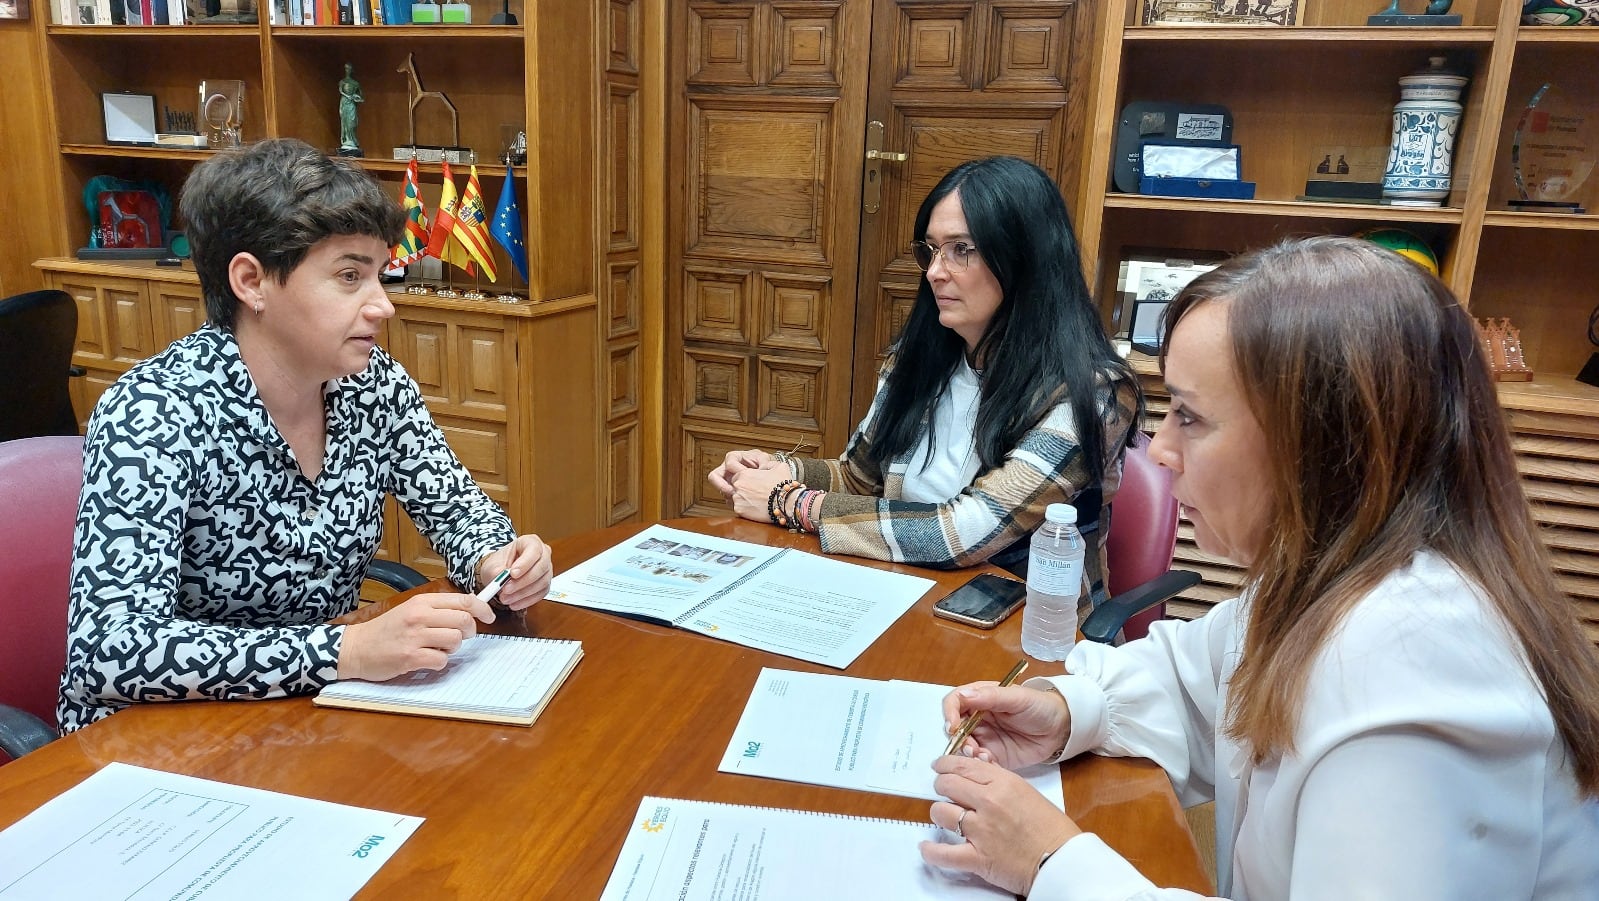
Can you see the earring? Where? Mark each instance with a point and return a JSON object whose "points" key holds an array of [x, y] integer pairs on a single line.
{"points": [[258, 309]]}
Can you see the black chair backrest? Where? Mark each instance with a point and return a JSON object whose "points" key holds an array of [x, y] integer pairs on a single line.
{"points": [[37, 332]]}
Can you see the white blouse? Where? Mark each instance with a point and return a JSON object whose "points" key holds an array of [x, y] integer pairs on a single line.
{"points": [[1426, 764], [945, 459]]}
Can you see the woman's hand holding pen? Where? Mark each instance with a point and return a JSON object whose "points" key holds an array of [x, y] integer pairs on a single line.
{"points": [[528, 559], [1021, 726], [1008, 826], [416, 635]]}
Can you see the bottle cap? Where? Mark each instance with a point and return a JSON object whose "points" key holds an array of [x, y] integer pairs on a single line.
{"points": [[1061, 513]]}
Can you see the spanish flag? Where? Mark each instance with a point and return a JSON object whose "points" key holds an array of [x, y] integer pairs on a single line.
{"points": [[471, 226], [413, 244], [442, 242]]}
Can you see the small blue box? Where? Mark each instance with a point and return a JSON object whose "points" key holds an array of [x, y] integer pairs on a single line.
{"points": [[1215, 188]]}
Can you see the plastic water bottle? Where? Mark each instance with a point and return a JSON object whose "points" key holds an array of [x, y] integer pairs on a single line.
{"points": [[1054, 583]]}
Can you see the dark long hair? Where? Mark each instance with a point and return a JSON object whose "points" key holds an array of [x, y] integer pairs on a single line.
{"points": [[1044, 343], [1386, 438]]}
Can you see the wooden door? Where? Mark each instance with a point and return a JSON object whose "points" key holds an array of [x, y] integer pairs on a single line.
{"points": [[950, 82], [772, 338]]}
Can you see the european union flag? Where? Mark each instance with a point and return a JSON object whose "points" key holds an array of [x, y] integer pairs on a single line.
{"points": [[507, 227]]}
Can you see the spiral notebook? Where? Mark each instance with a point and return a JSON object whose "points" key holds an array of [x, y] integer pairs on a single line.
{"points": [[686, 850], [492, 678]]}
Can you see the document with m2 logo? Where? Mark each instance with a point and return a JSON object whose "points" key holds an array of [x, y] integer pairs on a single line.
{"points": [[866, 734]]}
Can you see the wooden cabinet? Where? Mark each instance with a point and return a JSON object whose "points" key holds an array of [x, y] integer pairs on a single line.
{"points": [[1334, 80], [513, 386]]}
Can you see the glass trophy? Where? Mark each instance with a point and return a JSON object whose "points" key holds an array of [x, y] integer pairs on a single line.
{"points": [[222, 111], [1553, 152]]}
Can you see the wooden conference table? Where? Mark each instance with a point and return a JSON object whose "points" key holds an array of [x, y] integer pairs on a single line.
{"points": [[540, 812]]}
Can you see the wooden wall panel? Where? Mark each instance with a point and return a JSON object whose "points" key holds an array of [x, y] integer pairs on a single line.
{"points": [[621, 192], [27, 145]]}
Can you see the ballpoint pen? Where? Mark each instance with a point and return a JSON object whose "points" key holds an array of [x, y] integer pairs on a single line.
{"points": [[976, 716], [494, 586]]}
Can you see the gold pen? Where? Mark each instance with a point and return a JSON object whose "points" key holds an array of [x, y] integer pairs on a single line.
{"points": [[976, 716]]}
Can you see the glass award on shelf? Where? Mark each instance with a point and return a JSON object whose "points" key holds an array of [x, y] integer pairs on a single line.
{"points": [[1553, 152], [222, 111]]}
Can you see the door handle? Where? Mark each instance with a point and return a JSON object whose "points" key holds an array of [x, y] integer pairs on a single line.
{"points": [[872, 189]]}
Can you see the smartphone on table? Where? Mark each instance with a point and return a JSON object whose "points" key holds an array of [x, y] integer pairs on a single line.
{"points": [[984, 601]]}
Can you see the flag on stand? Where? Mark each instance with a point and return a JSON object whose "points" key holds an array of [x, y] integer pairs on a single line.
{"points": [[471, 225], [442, 242], [413, 244], [507, 225]]}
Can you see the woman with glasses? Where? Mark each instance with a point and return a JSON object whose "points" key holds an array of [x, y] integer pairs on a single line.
{"points": [[1402, 703], [1001, 396]]}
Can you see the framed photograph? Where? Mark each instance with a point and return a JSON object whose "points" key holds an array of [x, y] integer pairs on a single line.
{"points": [[129, 118], [13, 9], [1221, 12], [1151, 278]]}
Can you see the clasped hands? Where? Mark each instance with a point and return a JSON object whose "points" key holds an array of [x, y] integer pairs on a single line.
{"points": [[1007, 825], [746, 478], [422, 632]]}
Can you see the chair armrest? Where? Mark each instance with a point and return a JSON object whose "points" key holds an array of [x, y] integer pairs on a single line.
{"points": [[21, 732], [1109, 617], [397, 576]]}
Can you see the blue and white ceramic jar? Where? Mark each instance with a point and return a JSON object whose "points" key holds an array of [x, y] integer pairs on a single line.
{"points": [[1426, 120]]}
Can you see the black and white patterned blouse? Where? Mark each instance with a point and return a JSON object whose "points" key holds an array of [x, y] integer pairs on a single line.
{"points": [[207, 565]]}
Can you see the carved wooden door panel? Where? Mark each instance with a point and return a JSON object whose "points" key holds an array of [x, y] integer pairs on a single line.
{"points": [[772, 338], [765, 232], [964, 80]]}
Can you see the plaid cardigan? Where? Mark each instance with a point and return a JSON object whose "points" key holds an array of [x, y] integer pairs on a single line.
{"points": [[863, 513]]}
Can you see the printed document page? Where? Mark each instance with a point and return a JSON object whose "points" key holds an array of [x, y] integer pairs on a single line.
{"points": [[812, 608], [784, 601], [864, 734], [127, 832], [699, 851], [659, 573]]}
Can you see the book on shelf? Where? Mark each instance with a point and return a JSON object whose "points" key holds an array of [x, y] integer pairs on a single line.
{"points": [[773, 599], [490, 678], [678, 849]]}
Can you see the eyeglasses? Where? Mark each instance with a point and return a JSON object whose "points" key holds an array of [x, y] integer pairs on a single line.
{"points": [[957, 254]]}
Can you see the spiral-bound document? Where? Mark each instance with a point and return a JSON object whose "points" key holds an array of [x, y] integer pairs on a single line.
{"points": [[774, 599], [702, 851], [493, 678]]}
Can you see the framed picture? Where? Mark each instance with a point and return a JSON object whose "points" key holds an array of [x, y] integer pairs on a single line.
{"points": [[1221, 12], [1150, 279], [129, 118], [13, 9]]}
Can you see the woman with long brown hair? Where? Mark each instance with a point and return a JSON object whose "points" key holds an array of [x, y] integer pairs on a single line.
{"points": [[1402, 703]]}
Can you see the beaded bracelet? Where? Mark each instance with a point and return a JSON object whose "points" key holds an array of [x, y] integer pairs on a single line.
{"points": [[805, 509], [790, 520], [774, 501], [800, 500]]}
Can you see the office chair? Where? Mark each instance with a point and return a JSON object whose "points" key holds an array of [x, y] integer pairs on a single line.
{"points": [[397, 576], [39, 482], [1138, 550], [40, 479], [37, 332]]}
